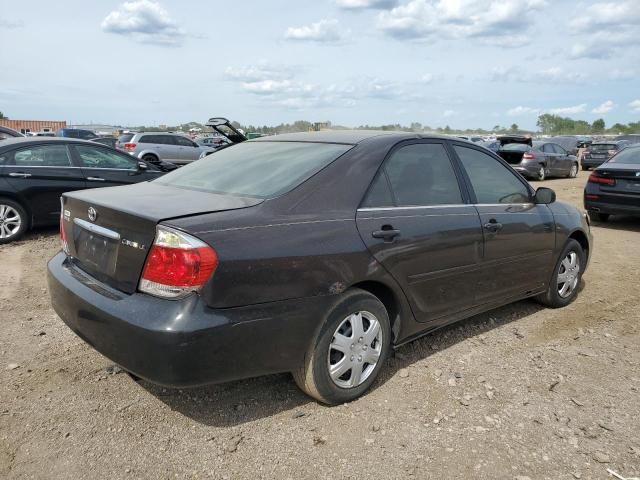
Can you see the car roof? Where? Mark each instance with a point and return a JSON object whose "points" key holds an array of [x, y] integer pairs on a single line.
{"points": [[351, 137], [608, 142], [158, 133], [20, 141]]}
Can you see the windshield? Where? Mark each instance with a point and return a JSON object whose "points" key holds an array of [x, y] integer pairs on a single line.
{"points": [[515, 147], [628, 155], [603, 147], [255, 169]]}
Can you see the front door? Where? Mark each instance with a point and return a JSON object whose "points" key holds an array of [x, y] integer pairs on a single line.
{"points": [[415, 222], [104, 167], [519, 236], [40, 174]]}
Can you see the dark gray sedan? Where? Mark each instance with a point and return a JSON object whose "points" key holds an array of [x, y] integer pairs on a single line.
{"points": [[313, 253], [538, 159]]}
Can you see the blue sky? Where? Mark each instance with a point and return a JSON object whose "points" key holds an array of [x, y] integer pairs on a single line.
{"points": [[465, 63]]}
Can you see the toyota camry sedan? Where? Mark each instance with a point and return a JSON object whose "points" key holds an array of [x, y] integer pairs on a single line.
{"points": [[312, 253]]}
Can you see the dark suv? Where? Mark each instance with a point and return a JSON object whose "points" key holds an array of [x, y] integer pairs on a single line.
{"points": [[600, 152]]}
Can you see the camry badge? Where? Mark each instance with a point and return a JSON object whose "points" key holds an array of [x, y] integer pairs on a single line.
{"points": [[92, 214]]}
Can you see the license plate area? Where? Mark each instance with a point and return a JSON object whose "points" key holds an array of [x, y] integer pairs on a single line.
{"points": [[96, 247]]}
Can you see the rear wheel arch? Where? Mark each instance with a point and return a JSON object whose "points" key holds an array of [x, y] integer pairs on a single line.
{"points": [[149, 157], [389, 299]]}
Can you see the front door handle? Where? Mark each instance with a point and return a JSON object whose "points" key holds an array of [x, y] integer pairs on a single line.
{"points": [[95, 179], [20, 174], [493, 226], [388, 233]]}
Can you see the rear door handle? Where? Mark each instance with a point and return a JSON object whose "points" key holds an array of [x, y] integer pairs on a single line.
{"points": [[493, 226], [20, 174], [386, 234], [95, 179]]}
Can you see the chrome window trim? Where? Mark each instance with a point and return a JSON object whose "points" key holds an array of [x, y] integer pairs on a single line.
{"points": [[105, 232], [416, 207]]}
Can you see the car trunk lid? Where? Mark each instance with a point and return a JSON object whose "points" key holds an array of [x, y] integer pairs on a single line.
{"points": [[627, 178], [109, 231]]}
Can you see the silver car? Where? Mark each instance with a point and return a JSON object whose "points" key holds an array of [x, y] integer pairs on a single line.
{"points": [[170, 147]]}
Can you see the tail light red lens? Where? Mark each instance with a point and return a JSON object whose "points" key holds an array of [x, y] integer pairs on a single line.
{"points": [[599, 179], [177, 264], [528, 156], [129, 146]]}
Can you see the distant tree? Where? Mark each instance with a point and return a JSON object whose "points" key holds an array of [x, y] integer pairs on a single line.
{"points": [[2, 117], [447, 129], [514, 128], [598, 126], [496, 128]]}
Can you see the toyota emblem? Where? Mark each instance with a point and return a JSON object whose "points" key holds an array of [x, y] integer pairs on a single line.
{"points": [[92, 214]]}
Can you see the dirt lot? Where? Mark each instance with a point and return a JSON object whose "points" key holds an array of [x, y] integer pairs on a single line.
{"points": [[520, 392]]}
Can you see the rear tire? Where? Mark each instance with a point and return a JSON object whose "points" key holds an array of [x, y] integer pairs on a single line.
{"points": [[355, 330], [542, 174], [151, 159], [14, 221], [565, 280], [599, 217], [573, 173], [584, 168]]}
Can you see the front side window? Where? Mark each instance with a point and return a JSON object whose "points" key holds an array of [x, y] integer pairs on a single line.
{"points": [[492, 182], [418, 175], [558, 149], [548, 148], [42, 156], [96, 157], [184, 142], [256, 169]]}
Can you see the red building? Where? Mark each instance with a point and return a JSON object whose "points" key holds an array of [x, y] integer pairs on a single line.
{"points": [[33, 126]]}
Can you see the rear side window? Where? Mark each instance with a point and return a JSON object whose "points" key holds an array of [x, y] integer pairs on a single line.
{"points": [[548, 148], [379, 194], [492, 182], [559, 149], [184, 142], [42, 156], [96, 157], [256, 169], [157, 139]]}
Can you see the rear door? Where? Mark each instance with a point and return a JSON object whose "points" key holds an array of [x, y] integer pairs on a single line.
{"points": [[103, 167], [563, 160], [416, 222], [519, 235], [39, 174], [188, 150]]}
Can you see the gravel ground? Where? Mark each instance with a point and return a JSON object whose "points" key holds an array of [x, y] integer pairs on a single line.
{"points": [[520, 392]]}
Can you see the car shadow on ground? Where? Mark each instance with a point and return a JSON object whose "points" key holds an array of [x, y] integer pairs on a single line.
{"points": [[244, 401], [620, 222]]}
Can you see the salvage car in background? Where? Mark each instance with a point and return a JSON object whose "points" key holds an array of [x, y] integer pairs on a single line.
{"points": [[34, 172], [537, 159], [153, 147], [614, 187], [314, 253], [600, 152]]}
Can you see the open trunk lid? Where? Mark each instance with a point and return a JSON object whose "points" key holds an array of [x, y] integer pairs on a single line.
{"points": [[507, 139], [109, 231]]}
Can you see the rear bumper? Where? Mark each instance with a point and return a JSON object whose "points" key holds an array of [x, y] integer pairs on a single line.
{"points": [[528, 170], [611, 208], [183, 343], [593, 162]]}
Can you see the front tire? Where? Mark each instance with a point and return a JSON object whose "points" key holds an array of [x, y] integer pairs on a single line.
{"points": [[151, 159], [542, 174], [13, 220], [566, 276], [348, 352], [573, 173]]}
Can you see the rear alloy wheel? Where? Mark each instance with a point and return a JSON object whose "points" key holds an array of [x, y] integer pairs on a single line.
{"points": [[563, 287], [13, 220], [573, 173], [598, 217], [541, 174], [349, 351], [151, 159]]}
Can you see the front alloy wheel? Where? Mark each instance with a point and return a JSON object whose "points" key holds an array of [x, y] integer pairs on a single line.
{"points": [[349, 351], [12, 221], [568, 274]]}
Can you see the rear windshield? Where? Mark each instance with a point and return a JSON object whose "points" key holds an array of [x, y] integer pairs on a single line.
{"points": [[628, 155], [125, 137], [515, 147], [255, 169], [603, 147]]}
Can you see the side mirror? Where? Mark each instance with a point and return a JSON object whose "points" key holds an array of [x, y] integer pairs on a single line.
{"points": [[544, 196], [142, 166]]}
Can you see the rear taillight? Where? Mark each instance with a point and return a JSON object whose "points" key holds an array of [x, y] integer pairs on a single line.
{"points": [[528, 156], [611, 153], [596, 178], [63, 236], [129, 146], [177, 264]]}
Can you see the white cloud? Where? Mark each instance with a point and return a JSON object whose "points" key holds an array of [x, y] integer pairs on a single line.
{"points": [[604, 107], [324, 31], [519, 111], [635, 105], [549, 75], [427, 78], [145, 21], [606, 14], [449, 113], [569, 110], [9, 25], [363, 4], [503, 23]]}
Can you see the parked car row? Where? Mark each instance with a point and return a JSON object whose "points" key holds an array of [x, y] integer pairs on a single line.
{"points": [[162, 146], [313, 253], [537, 159]]}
